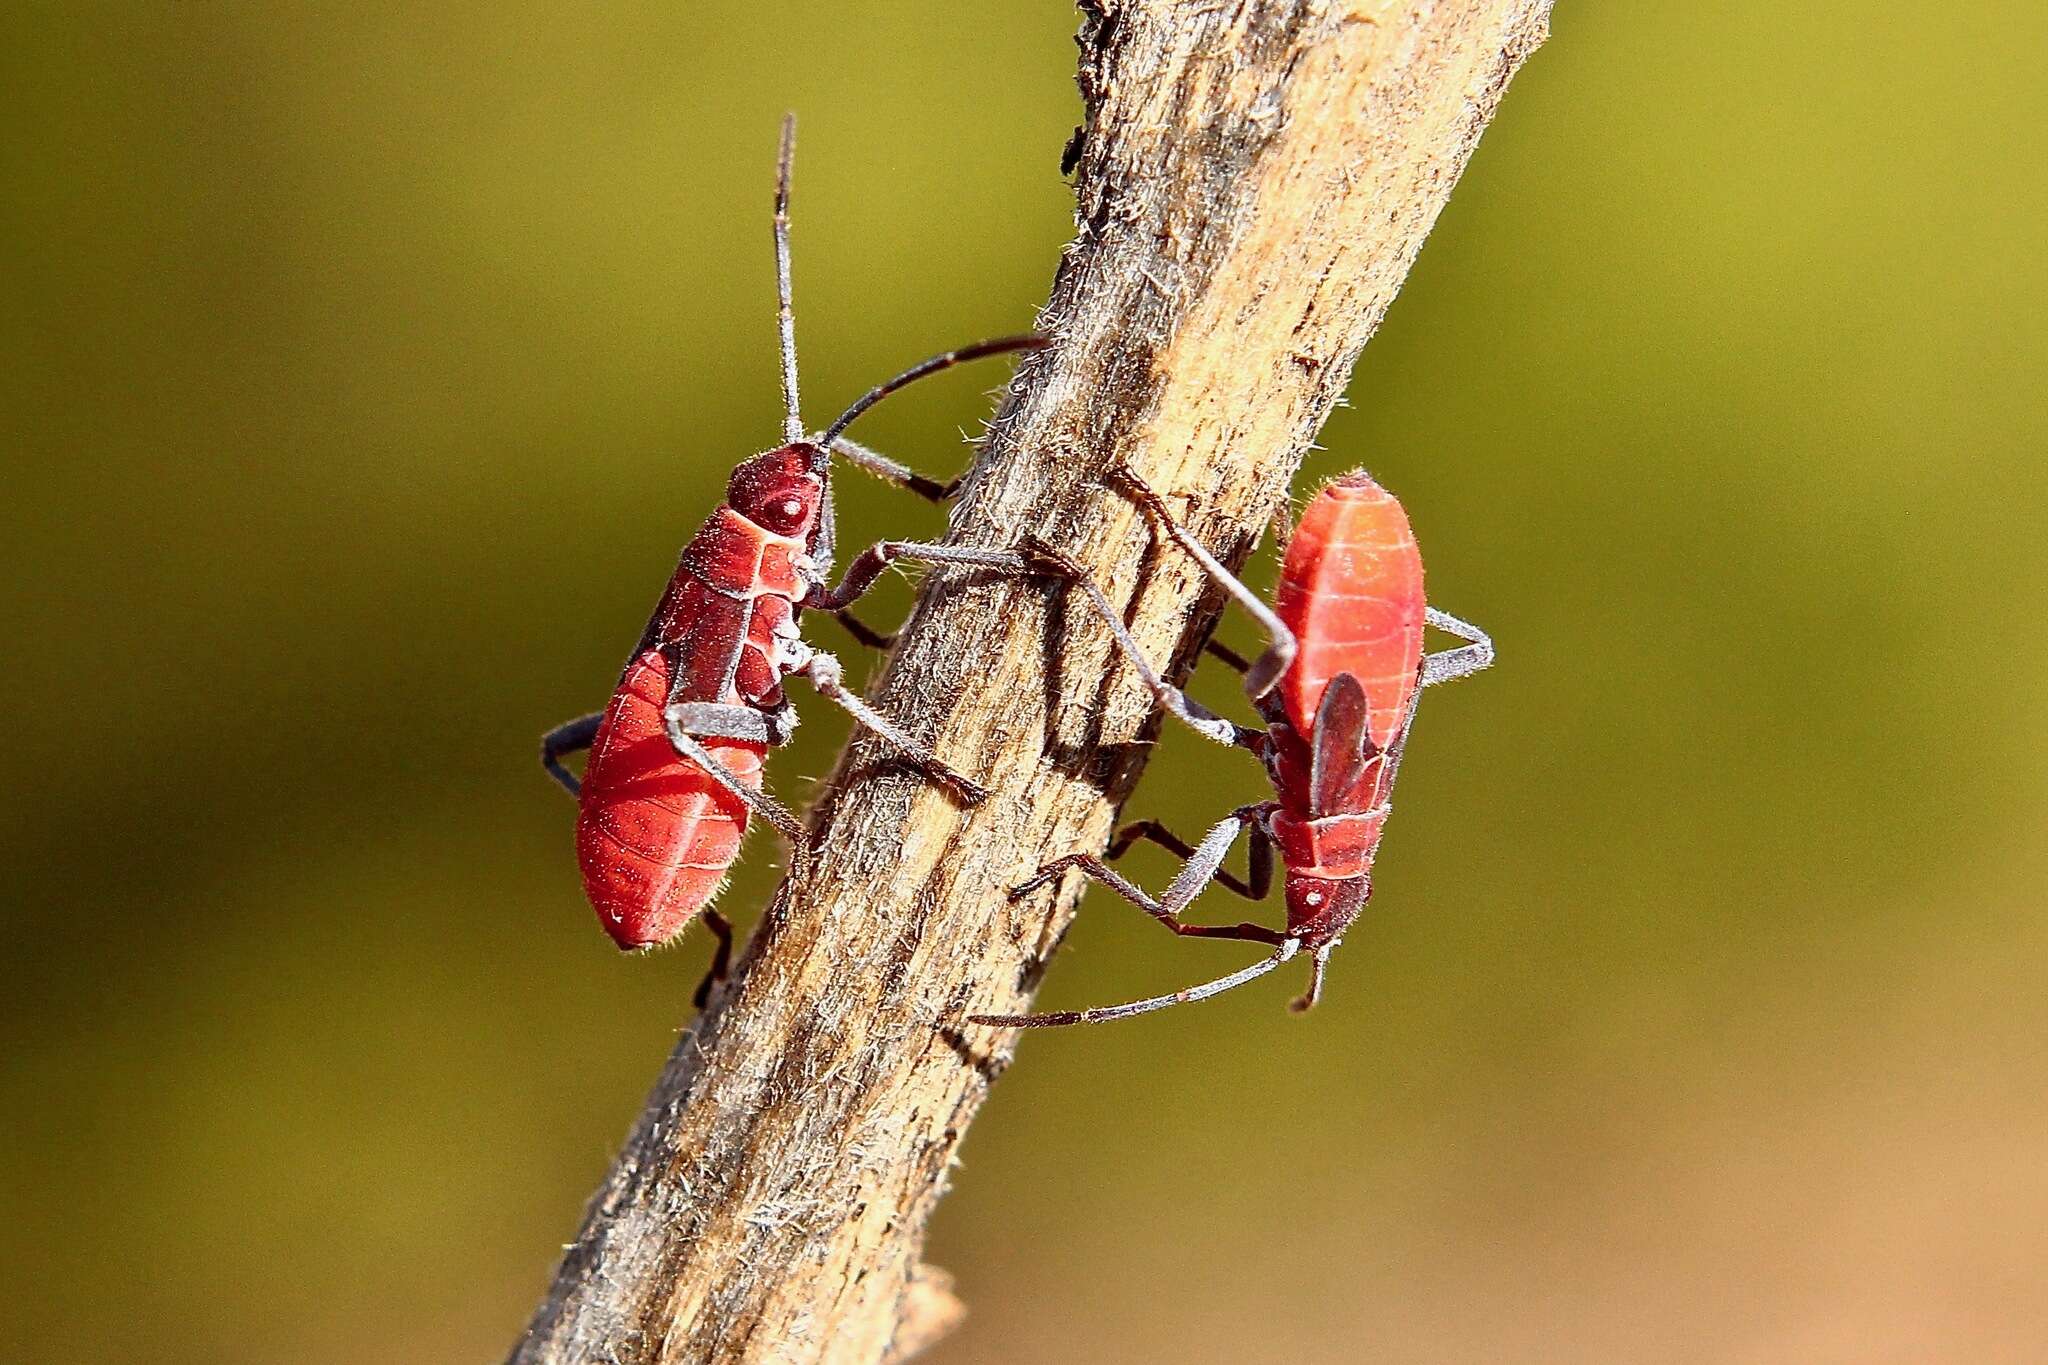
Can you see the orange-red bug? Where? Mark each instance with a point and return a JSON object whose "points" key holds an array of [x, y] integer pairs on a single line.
{"points": [[1337, 688], [674, 772]]}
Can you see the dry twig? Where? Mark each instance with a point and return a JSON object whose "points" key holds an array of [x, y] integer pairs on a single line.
{"points": [[1254, 181]]}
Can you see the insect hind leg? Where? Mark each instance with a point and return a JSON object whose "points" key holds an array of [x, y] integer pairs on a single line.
{"points": [[1201, 869], [570, 737], [1318, 964], [722, 720], [1103, 1013], [1257, 885], [721, 956]]}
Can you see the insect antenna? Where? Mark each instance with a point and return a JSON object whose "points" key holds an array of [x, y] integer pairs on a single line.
{"points": [[1027, 342], [792, 422], [1104, 1013]]}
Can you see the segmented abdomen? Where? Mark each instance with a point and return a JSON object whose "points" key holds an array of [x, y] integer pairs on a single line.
{"points": [[1351, 591], [655, 833]]}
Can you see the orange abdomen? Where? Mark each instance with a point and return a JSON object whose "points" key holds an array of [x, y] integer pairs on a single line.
{"points": [[1351, 591], [655, 834]]}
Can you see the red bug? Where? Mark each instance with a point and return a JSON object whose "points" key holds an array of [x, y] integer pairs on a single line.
{"points": [[675, 760], [1337, 688]]}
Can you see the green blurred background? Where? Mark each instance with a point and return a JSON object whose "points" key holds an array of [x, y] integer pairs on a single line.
{"points": [[367, 369]]}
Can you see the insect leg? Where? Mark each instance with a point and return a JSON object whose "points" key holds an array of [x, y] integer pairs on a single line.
{"points": [[1033, 558], [1200, 870], [1265, 673], [721, 957], [723, 720], [868, 566], [1103, 1013], [1191, 712], [862, 632], [1317, 964], [1256, 888], [568, 738], [1466, 659], [1232, 660], [830, 680], [826, 675], [762, 804]]}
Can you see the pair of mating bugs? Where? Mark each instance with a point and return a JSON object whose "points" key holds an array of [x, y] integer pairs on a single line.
{"points": [[674, 768]]}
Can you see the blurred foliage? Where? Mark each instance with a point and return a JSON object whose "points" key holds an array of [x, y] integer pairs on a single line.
{"points": [[369, 365]]}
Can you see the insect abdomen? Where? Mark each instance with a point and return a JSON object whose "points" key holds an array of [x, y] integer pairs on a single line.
{"points": [[1351, 591], [655, 834]]}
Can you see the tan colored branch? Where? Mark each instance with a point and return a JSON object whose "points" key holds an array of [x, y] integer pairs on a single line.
{"points": [[1255, 180]]}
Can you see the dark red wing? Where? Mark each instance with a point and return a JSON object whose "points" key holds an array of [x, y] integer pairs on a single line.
{"points": [[706, 631], [1341, 746]]}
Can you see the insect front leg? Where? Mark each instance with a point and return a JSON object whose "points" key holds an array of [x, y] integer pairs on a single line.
{"points": [[1202, 867], [1466, 659], [570, 737]]}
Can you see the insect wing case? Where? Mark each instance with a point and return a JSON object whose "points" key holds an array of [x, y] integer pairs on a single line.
{"points": [[1351, 591]]}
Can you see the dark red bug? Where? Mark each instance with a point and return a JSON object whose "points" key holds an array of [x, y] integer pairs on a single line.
{"points": [[675, 760], [1337, 688]]}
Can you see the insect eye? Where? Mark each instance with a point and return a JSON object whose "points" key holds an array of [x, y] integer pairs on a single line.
{"points": [[1314, 898], [792, 508]]}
